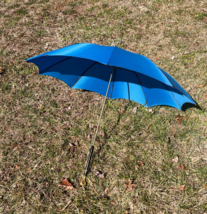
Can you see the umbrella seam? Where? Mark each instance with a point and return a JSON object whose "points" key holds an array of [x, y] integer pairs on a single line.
{"points": [[83, 73], [169, 91], [55, 64], [141, 87], [111, 55]]}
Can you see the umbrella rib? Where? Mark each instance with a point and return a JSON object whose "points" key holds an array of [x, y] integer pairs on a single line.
{"points": [[128, 90], [113, 82], [83, 73], [141, 86], [56, 64], [169, 91]]}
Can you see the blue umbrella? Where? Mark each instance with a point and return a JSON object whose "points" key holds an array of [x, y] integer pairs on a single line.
{"points": [[113, 72]]}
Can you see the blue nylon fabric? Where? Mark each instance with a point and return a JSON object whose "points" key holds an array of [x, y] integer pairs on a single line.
{"points": [[112, 56], [135, 77]]}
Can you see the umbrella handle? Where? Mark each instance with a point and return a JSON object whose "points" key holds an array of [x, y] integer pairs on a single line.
{"points": [[89, 159]]}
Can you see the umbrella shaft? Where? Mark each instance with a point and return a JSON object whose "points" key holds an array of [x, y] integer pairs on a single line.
{"points": [[103, 107], [92, 147]]}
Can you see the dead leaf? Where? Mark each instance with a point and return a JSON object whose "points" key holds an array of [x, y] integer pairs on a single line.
{"points": [[112, 202], [87, 24], [206, 186], [206, 96], [198, 86], [101, 133], [130, 185], [99, 174], [175, 159], [90, 182], [182, 187], [140, 163], [71, 94], [144, 9], [136, 166], [180, 166], [89, 136], [105, 191], [157, 58], [83, 182], [66, 184], [179, 118], [134, 110], [121, 112], [69, 202], [151, 111], [16, 167]]}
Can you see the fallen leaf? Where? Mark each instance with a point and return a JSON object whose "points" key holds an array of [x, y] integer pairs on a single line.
{"points": [[83, 182], [199, 86], [175, 159], [16, 167], [71, 94], [205, 95], [140, 163], [157, 58], [182, 187], [206, 186], [66, 184], [144, 9], [112, 202], [121, 112], [136, 166], [69, 202], [180, 166], [87, 24], [105, 191], [90, 182], [130, 185], [179, 118], [89, 136], [150, 110], [101, 133], [202, 10], [99, 174], [134, 110], [113, 44]]}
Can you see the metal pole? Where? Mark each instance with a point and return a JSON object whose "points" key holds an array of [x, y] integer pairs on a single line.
{"points": [[94, 139]]}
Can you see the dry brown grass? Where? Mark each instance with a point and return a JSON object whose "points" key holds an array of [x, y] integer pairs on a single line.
{"points": [[42, 141]]}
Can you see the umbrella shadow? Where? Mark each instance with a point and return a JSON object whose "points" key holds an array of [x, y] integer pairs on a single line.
{"points": [[186, 106]]}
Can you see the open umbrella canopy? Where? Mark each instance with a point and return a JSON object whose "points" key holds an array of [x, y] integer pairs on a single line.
{"points": [[134, 77]]}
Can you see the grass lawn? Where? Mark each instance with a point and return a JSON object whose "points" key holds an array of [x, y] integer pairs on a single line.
{"points": [[151, 161]]}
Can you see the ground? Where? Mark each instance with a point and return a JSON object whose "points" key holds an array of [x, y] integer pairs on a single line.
{"points": [[149, 161]]}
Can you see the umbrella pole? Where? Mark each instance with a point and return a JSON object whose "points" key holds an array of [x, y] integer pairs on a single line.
{"points": [[92, 147]]}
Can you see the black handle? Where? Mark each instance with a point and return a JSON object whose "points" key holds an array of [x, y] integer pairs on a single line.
{"points": [[89, 159]]}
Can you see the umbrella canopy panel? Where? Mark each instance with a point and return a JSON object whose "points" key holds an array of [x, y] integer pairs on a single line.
{"points": [[106, 55], [80, 73]]}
